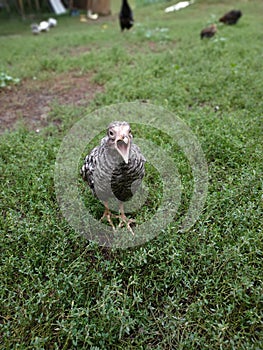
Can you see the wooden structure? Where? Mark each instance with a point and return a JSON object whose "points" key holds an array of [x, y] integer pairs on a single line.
{"points": [[20, 5], [101, 7], [29, 3]]}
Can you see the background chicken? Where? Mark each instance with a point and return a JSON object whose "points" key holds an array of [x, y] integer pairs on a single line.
{"points": [[208, 32], [115, 169], [125, 16], [231, 17]]}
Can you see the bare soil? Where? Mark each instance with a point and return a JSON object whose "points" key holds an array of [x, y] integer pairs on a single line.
{"points": [[30, 102]]}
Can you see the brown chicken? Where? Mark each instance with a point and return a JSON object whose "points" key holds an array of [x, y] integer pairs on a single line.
{"points": [[231, 17], [209, 31]]}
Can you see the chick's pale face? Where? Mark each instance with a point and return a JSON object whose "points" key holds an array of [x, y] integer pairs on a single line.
{"points": [[120, 137]]}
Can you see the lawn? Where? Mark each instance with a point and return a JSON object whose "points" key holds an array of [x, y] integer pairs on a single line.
{"points": [[199, 288]]}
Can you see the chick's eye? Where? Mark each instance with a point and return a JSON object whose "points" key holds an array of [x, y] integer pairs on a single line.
{"points": [[111, 133]]}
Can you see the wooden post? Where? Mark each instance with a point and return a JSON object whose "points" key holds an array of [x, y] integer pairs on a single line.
{"points": [[21, 5], [7, 6], [37, 5], [29, 4]]}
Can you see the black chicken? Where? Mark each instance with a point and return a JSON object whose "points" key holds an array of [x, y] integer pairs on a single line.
{"points": [[208, 32], [231, 17], [125, 16], [115, 169]]}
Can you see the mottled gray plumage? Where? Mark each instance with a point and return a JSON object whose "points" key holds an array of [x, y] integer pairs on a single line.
{"points": [[114, 169]]}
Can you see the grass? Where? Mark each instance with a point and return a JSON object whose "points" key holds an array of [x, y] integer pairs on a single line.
{"points": [[200, 289]]}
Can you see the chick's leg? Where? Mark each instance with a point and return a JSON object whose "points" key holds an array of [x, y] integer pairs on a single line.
{"points": [[107, 214], [124, 220]]}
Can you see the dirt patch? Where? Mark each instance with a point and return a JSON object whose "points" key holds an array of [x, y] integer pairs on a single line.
{"points": [[79, 51], [31, 101]]}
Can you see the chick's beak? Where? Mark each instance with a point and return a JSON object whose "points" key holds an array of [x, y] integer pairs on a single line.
{"points": [[123, 147]]}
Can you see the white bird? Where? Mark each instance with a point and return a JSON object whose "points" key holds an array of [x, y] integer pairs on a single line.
{"points": [[35, 28], [52, 22], [44, 26]]}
